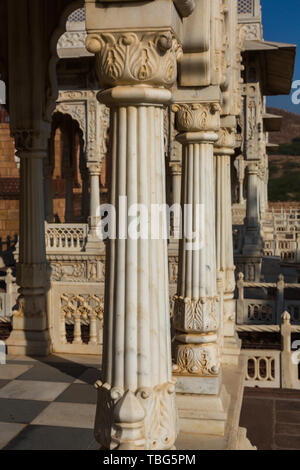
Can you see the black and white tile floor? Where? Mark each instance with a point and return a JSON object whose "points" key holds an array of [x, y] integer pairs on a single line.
{"points": [[48, 404]]}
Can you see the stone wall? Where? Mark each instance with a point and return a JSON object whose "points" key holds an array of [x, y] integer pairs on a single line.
{"points": [[9, 185]]}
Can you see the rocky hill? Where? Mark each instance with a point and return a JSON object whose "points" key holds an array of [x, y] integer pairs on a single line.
{"points": [[284, 164], [290, 128]]}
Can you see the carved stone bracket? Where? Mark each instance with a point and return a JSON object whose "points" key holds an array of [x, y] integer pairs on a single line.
{"points": [[92, 118], [28, 140]]}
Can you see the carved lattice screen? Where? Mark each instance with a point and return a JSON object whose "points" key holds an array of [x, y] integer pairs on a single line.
{"points": [[246, 7], [77, 16]]}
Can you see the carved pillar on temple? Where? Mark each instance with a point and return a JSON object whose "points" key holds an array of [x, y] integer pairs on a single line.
{"points": [[240, 166], [197, 309], [176, 172], [30, 26], [253, 242], [94, 217], [30, 324], [224, 150], [137, 66]]}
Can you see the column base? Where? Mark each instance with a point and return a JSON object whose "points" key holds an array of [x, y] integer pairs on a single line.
{"points": [[94, 244], [29, 343], [203, 414], [212, 422], [198, 385]]}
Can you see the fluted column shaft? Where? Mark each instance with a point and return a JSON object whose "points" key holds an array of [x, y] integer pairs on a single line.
{"points": [[176, 172], [196, 315], [137, 355], [224, 149], [252, 210], [252, 241], [136, 395], [94, 217]]}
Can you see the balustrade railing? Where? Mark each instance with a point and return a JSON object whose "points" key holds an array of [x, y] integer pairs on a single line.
{"points": [[266, 309], [267, 368], [65, 237], [263, 368], [77, 317], [8, 296]]}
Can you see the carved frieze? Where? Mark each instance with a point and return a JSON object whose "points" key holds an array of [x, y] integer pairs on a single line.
{"points": [[74, 270]]}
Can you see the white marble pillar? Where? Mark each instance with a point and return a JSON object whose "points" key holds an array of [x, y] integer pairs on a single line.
{"points": [[175, 170], [224, 149], [196, 311], [253, 242], [30, 333], [85, 209], [94, 216], [136, 395], [239, 164]]}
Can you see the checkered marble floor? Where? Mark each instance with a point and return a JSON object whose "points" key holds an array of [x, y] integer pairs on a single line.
{"points": [[48, 404]]}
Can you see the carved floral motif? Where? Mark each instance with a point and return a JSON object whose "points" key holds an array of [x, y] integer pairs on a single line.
{"points": [[132, 58], [158, 403], [226, 138], [201, 359], [197, 117], [201, 315]]}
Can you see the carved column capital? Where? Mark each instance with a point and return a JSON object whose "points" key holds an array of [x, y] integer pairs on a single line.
{"points": [[30, 140], [175, 168], [197, 117], [133, 58], [94, 169], [226, 141], [252, 168]]}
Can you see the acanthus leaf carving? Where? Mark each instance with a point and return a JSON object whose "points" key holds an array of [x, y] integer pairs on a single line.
{"points": [[132, 58], [197, 117], [200, 316]]}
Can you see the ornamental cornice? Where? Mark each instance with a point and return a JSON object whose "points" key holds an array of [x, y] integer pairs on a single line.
{"points": [[197, 117], [133, 58]]}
